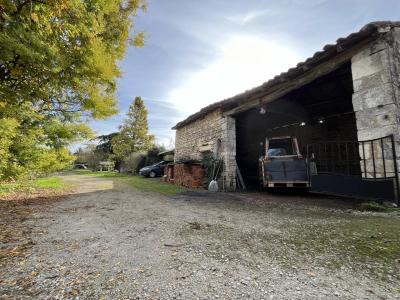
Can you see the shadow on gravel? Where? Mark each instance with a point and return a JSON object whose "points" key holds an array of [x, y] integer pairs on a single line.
{"points": [[277, 197]]}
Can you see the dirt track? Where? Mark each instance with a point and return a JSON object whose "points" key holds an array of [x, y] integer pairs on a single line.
{"points": [[114, 242]]}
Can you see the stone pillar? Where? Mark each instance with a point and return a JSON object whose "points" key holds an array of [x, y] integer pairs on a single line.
{"points": [[228, 127], [376, 80]]}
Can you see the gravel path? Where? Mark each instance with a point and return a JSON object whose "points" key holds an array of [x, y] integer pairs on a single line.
{"points": [[110, 241]]}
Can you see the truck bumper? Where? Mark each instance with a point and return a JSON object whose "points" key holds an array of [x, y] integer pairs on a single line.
{"points": [[287, 184]]}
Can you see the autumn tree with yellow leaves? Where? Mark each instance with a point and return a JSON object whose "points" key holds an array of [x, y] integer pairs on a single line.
{"points": [[58, 68]]}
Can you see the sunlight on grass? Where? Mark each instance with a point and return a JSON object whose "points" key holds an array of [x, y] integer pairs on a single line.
{"points": [[49, 182], [6, 188], [31, 185], [102, 174], [141, 183], [147, 184]]}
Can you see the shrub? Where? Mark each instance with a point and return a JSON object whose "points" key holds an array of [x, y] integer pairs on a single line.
{"points": [[213, 167], [133, 162], [152, 155], [373, 206]]}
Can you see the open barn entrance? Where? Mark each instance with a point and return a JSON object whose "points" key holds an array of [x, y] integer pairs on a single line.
{"points": [[319, 111]]}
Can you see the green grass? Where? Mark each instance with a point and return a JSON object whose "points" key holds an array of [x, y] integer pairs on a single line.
{"points": [[49, 183], [102, 174], [148, 184], [7, 188], [364, 237], [75, 171], [373, 206], [369, 242], [141, 183]]}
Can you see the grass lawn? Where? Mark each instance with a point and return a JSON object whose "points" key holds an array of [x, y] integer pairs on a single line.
{"points": [[49, 183], [139, 182], [53, 183]]}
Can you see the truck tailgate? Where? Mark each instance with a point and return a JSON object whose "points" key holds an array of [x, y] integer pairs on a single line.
{"points": [[286, 170]]}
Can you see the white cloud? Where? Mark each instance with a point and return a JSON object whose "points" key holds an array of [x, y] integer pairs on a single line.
{"points": [[309, 2], [248, 17], [244, 62]]}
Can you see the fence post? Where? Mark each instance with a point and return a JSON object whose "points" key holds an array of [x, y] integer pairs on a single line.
{"points": [[396, 170]]}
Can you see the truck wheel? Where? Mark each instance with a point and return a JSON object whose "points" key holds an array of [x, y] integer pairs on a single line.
{"points": [[152, 174]]}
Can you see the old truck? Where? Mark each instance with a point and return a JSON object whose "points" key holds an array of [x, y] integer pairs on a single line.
{"points": [[340, 168], [283, 165]]}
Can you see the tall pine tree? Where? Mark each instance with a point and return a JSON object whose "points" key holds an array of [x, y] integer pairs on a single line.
{"points": [[134, 133]]}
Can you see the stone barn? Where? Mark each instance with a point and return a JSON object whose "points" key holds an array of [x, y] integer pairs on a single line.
{"points": [[344, 99]]}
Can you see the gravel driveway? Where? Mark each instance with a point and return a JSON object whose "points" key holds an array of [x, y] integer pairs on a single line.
{"points": [[110, 241]]}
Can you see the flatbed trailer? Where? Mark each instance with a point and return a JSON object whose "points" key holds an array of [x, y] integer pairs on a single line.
{"points": [[283, 165]]}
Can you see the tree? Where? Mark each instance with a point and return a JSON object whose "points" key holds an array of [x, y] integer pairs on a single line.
{"points": [[133, 162], [105, 143], [33, 144], [90, 156], [153, 156], [58, 63], [62, 55], [105, 148], [134, 133]]}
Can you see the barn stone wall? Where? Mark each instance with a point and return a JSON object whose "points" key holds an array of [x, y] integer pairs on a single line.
{"points": [[376, 103], [376, 81], [215, 133]]}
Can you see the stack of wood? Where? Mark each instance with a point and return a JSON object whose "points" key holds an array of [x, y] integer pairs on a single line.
{"points": [[190, 175]]}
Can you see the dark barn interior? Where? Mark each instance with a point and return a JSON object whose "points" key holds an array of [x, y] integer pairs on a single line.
{"points": [[319, 111]]}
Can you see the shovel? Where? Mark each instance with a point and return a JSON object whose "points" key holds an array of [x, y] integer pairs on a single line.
{"points": [[213, 186]]}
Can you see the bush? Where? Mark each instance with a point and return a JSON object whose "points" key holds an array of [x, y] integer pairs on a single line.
{"points": [[133, 162], [213, 167], [373, 206], [21, 155], [152, 155], [90, 156]]}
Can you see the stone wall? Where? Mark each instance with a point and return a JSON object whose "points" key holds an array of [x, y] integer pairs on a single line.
{"points": [[376, 80], [215, 133], [199, 136], [228, 125]]}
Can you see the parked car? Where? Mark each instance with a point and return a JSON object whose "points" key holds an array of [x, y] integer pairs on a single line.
{"points": [[80, 166], [154, 170]]}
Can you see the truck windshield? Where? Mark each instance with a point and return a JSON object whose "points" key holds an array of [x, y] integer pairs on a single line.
{"points": [[280, 147]]}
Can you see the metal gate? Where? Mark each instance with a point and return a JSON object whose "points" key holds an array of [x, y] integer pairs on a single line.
{"points": [[365, 170]]}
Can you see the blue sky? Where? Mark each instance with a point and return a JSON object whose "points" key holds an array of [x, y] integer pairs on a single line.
{"points": [[199, 52]]}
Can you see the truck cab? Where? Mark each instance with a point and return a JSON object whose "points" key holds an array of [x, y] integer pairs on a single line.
{"points": [[282, 164]]}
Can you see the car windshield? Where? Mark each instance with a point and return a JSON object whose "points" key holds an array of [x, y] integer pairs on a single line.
{"points": [[280, 147]]}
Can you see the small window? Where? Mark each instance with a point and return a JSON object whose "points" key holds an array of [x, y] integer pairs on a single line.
{"points": [[280, 147]]}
